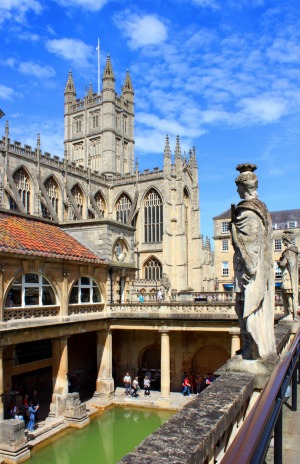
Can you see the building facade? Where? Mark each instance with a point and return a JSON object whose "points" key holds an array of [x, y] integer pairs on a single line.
{"points": [[146, 225], [223, 252]]}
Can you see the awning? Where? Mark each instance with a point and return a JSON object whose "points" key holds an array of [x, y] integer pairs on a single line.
{"points": [[228, 286]]}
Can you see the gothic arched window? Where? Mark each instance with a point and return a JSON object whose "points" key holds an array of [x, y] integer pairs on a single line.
{"points": [[153, 213], [21, 179], [78, 197], [123, 208], [100, 203], [52, 191], [153, 269]]}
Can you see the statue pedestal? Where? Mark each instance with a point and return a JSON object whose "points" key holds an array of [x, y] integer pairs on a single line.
{"points": [[104, 388], [13, 444], [70, 408], [261, 369]]}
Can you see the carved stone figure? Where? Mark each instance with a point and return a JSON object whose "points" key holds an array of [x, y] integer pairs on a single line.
{"points": [[289, 266], [166, 284], [251, 229]]}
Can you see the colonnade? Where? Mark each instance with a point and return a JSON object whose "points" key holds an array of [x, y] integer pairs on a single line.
{"points": [[105, 382]]}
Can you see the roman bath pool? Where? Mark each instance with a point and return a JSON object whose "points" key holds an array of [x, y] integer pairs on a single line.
{"points": [[108, 438]]}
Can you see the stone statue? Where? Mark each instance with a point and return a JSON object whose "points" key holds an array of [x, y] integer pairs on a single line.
{"points": [[166, 284], [251, 230], [289, 266]]}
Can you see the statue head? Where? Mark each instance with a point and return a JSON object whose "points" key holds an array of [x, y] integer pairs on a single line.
{"points": [[247, 180], [288, 237]]}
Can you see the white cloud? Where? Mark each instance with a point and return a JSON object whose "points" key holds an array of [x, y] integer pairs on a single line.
{"points": [[73, 50], [6, 92], [263, 109], [34, 69], [17, 9], [30, 68], [141, 30], [91, 5]]}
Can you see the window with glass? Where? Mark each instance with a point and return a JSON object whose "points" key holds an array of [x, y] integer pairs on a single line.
{"points": [[123, 208], [78, 197], [85, 291], [225, 245], [225, 227], [30, 290], [153, 269], [278, 271], [21, 179], [277, 244], [225, 268], [52, 191], [153, 217], [100, 203]]}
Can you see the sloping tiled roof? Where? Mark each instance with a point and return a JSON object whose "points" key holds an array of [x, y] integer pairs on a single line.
{"points": [[277, 216], [37, 238]]}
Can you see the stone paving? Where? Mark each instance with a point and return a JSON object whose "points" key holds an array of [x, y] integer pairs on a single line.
{"points": [[291, 434]]}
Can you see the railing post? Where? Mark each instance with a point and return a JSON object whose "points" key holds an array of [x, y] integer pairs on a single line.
{"points": [[278, 439]]}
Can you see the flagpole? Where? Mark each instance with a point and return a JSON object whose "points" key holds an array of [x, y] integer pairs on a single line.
{"points": [[98, 50]]}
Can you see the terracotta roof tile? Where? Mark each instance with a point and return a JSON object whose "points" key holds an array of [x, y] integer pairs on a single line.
{"points": [[36, 238]]}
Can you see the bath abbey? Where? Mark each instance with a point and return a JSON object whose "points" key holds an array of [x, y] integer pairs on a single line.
{"points": [[146, 225]]}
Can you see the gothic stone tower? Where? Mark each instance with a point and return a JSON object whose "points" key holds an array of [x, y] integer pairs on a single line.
{"points": [[99, 129]]}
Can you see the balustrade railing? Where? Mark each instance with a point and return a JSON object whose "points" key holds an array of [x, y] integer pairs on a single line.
{"points": [[85, 308], [30, 313]]}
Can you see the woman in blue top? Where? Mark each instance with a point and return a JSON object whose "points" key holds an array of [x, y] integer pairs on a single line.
{"points": [[31, 411]]}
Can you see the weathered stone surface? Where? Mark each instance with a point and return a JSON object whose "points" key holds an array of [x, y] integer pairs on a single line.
{"points": [[70, 407], [252, 235], [289, 265], [13, 446]]}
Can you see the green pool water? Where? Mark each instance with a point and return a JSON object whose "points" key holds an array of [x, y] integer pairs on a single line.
{"points": [[107, 439]]}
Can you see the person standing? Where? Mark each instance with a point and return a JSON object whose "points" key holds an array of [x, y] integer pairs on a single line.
{"points": [[135, 387], [147, 386], [186, 391], [32, 411], [159, 296], [252, 235], [127, 383]]}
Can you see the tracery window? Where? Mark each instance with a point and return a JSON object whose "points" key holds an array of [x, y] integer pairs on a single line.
{"points": [[100, 203], [153, 213], [78, 197], [30, 290], [153, 269], [85, 290], [123, 208], [21, 179], [52, 191]]}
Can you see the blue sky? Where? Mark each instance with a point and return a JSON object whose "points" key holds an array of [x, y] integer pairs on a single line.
{"points": [[222, 74]]}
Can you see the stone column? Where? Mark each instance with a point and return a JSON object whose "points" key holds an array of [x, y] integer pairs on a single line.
{"points": [[165, 364], [1, 385], [65, 300], [60, 365], [105, 381], [235, 340]]}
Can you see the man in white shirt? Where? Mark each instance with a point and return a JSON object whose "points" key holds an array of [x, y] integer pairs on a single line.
{"points": [[127, 383]]}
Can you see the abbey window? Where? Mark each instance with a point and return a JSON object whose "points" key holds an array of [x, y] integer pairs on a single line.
{"points": [[153, 217]]}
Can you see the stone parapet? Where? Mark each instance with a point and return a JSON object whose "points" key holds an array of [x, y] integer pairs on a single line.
{"points": [[193, 434]]}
